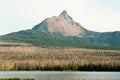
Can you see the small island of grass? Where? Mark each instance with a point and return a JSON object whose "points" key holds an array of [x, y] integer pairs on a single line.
{"points": [[17, 79]]}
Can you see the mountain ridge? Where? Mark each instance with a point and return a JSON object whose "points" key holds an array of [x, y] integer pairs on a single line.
{"points": [[63, 24], [62, 31]]}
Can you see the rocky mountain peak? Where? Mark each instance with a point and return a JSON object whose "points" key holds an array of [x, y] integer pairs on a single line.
{"points": [[65, 15], [64, 12], [63, 24]]}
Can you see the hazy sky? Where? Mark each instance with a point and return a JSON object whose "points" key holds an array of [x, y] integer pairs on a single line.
{"points": [[96, 15]]}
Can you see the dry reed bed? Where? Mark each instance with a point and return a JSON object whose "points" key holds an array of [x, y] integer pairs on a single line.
{"points": [[56, 58], [13, 44]]}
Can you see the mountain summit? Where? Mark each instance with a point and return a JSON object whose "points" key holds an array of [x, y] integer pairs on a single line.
{"points": [[63, 31], [65, 15], [63, 24]]}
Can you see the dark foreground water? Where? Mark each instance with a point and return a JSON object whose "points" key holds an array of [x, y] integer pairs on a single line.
{"points": [[62, 75]]}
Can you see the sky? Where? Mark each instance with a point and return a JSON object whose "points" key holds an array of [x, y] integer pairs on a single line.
{"points": [[95, 15]]}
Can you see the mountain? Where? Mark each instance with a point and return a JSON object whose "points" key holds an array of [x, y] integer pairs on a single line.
{"points": [[63, 24], [63, 31]]}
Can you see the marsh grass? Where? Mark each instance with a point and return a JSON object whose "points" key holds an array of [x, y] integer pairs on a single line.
{"points": [[32, 58]]}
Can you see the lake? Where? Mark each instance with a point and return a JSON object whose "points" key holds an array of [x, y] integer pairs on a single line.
{"points": [[61, 75]]}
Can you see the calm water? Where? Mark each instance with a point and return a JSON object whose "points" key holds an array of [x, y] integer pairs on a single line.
{"points": [[62, 75]]}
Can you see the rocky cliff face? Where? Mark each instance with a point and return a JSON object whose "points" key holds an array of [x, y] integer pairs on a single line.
{"points": [[63, 24]]}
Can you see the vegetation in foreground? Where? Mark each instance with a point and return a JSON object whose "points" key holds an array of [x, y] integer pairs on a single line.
{"points": [[16, 79], [31, 58]]}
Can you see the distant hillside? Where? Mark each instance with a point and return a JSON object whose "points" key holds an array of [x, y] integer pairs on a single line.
{"points": [[63, 31]]}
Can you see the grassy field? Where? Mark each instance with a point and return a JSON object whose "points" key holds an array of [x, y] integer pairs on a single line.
{"points": [[31, 58]]}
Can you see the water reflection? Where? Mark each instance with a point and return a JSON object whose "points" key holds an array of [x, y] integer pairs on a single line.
{"points": [[63, 75]]}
